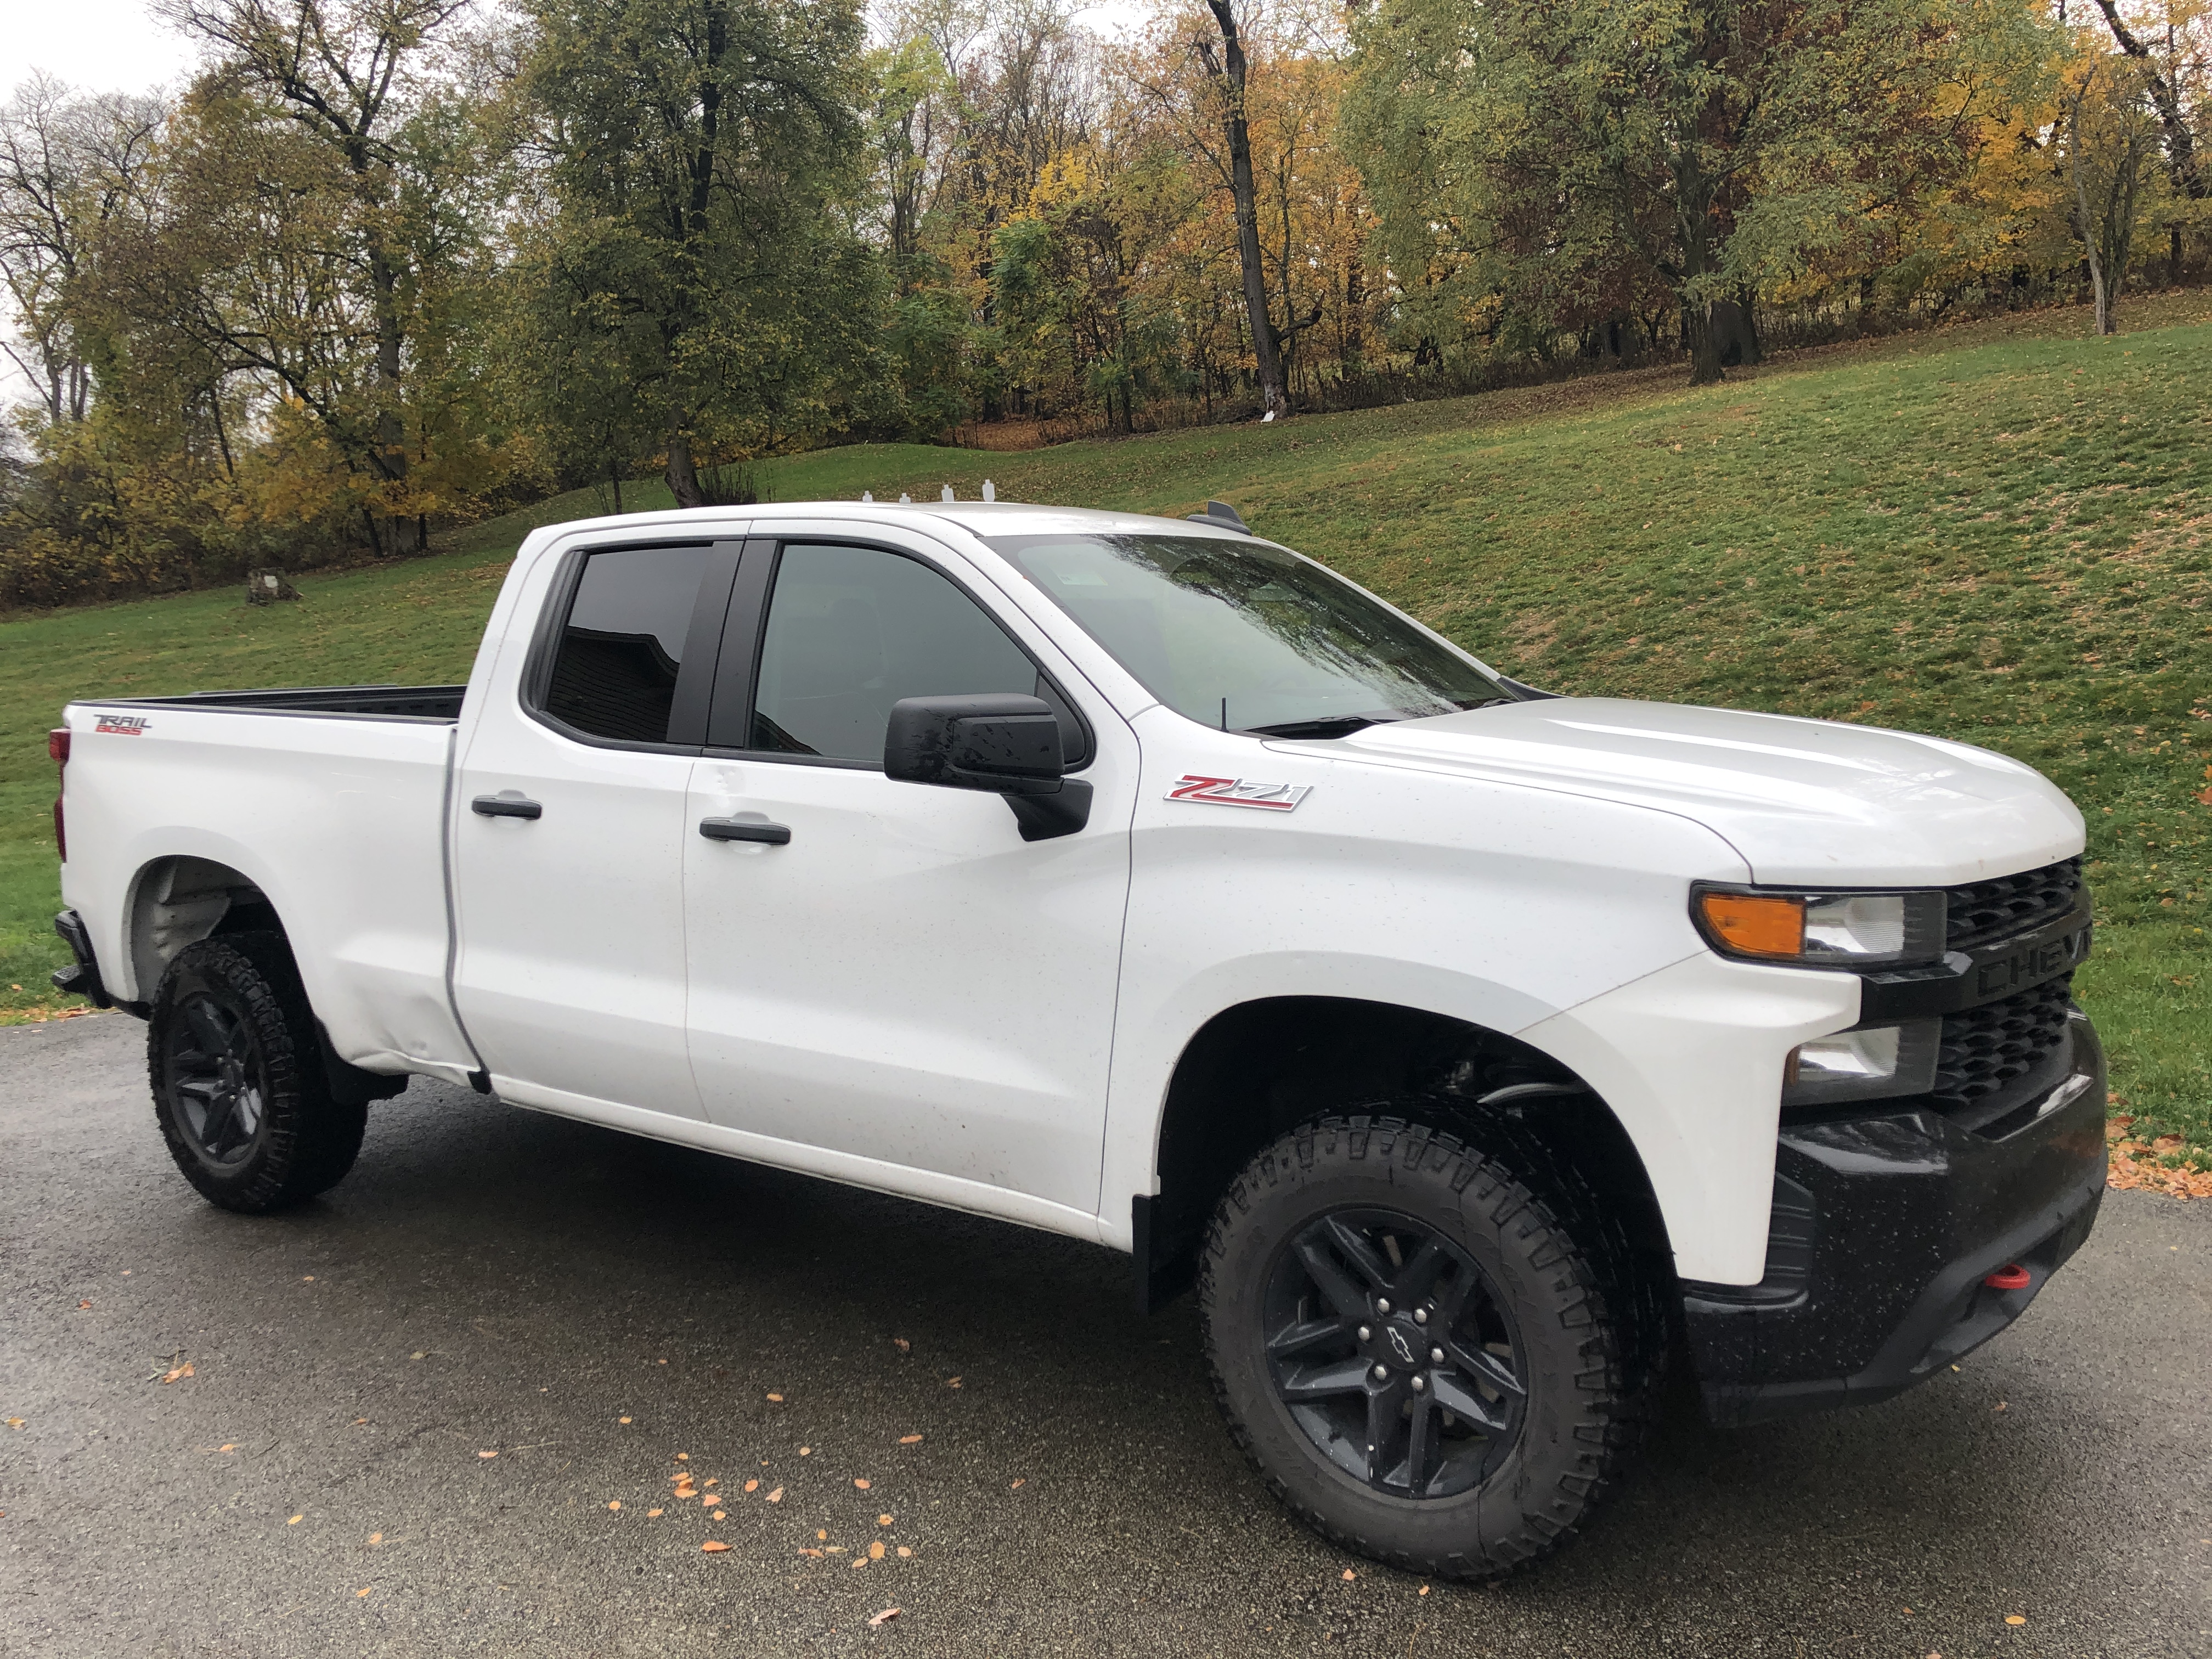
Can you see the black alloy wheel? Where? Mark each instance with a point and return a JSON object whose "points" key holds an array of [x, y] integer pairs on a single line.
{"points": [[241, 1091], [1394, 1353], [1435, 1345], [218, 1076]]}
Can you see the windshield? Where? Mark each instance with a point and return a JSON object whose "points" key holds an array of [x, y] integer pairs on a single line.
{"points": [[1249, 637]]}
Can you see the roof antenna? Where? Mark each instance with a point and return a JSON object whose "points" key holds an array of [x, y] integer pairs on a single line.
{"points": [[868, 494], [1225, 714], [989, 493], [1221, 514], [948, 492]]}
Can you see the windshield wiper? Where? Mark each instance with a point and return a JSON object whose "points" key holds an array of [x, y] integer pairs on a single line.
{"points": [[1330, 725]]}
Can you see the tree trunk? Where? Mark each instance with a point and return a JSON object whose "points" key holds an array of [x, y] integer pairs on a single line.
{"points": [[1704, 351], [1266, 349], [684, 471]]}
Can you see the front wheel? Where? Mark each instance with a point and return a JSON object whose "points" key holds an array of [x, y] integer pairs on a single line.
{"points": [[240, 1090], [1424, 1343]]}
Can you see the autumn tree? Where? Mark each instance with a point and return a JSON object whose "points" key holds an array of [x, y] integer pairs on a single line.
{"points": [[1697, 145], [697, 254]]}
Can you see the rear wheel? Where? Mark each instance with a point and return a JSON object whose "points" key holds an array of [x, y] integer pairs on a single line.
{"points": [[239, 1085], [1427, 1344]]}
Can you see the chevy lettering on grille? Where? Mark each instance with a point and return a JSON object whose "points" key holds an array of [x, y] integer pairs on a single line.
{"points": [[1238, 791], [2031, 964]]}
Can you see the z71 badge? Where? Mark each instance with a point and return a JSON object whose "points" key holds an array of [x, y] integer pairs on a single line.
{"points": [[1236, 792]]}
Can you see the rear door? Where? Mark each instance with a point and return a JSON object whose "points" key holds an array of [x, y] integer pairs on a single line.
{"points": [[570, 835], [905, 981]]}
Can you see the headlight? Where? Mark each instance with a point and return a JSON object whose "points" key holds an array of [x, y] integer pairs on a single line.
{"points": [[1871, 1064], [1820, 930]]}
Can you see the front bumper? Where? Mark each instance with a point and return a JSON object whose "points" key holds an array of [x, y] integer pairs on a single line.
{"points": [[1886, 1223]]}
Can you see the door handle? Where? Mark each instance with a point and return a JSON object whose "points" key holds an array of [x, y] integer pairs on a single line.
{"points": [[775, 835], [505, 806]]}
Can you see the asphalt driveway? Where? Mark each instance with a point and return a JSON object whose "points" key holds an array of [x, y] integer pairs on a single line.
{"points": [[606, 1314]]}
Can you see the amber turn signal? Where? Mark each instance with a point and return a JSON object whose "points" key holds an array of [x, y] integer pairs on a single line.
{"points": [[1756, 925]]}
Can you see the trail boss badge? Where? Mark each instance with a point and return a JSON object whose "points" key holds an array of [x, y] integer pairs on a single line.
{"points": [[1236, 792], [122, 726]]}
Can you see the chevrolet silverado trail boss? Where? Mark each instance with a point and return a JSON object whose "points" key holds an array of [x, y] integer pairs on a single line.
{"points": [[1471, 1049]]}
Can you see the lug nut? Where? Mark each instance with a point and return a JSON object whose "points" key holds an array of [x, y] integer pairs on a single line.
{"points": [[1419, 1384], [1381, 1307], [1420, 1315], [1436, 1356], [1382, 1373], [1366, 1334]]}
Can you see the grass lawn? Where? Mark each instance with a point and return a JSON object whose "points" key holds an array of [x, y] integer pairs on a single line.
{"points": [[1997, 532]]}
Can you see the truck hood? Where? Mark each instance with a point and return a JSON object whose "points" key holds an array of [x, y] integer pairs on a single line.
{"points": [[1810, 802]]}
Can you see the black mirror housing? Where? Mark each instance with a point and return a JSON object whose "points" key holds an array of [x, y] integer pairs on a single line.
{"points": [[1000, 742]]}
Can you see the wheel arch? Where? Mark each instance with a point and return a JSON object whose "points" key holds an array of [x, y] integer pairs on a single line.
{"points": [[1260, 1068], [180, 899]]}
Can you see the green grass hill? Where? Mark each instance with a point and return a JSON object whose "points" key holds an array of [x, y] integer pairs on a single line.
{"points": [[1996, 533]]}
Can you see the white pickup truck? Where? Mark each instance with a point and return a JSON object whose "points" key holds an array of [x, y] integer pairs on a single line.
{"points": [[1472, 1049]]}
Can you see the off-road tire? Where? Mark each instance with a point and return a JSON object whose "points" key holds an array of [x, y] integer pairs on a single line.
{"points": [[303, 1141], [1586, 1344]]}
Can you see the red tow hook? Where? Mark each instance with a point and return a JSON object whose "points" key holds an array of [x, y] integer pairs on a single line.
{"points": [[2010, 1277]]}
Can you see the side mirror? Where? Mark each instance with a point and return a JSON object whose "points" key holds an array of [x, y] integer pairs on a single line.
{"points": [[1005, 743]]}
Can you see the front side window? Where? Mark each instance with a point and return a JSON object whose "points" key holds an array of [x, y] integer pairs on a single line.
{"points": [[852, 630], [1249, 637], [614, 673]]}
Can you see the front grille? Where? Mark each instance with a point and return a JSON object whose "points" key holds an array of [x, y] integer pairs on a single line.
{"points": [[1991, 1047], [1983, 911]]}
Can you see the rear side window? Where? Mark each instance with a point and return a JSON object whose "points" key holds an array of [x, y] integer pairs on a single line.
{"points": [[615, 670], [852, 630]]}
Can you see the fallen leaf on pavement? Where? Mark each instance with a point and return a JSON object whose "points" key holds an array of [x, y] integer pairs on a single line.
{"points": [[230, 1446], [2015, 1618], [1349, 1575], [807, 1550], [910, 1440], [376, 1538], [84, 1304], [905, 1552], [903, 1345], [363, 1591], [887, 1614], [752, 1485], [615, 1504], [683, 1457], [179, 1374], [622, 1419], [821, 1536], [1425, 1589], [17, 1423], [806, 1451], [488, 1454], [720, 1515], [951, 1381], [295, 1519], [650, 1514], [776, 1497], [860, 1483], [875, 1549], [882, 1520], [1017, 1486], [777, 1398], [714, 1546], [715, 1481]]}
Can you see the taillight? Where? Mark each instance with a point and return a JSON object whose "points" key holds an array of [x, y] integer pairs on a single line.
{"points": [[58, 748]]}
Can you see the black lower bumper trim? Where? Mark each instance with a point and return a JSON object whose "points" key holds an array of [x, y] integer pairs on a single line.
{"points": [[1886, 1227], [81, 978]]}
